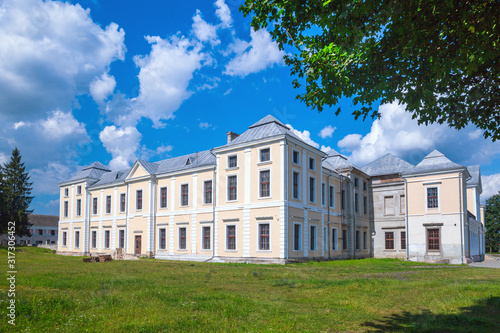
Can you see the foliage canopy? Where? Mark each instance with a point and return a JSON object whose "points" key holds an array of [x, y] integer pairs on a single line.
{"points": [[492, 222], [440, 58]]}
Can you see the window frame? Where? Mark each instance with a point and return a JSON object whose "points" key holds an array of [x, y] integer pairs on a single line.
{"points": [[163, 197], [139, 200], [436, 243], [205, 192], [182, 244], [436, 197], [65, 238], [229, 160], [228, 236], [335, 239], [298, 185], [262, 237], [313, 237], [312, 190], [344, 239], [95, 206], [93, 239], [312, 162], [331, 196], [107, 239], [66, 192], [66, 208], [297, 238], [403, 240], [79, 190], [365, 240], [228, 195], [323, 194], [356, 202], [121, 240], [162, 238], [365, 205], [123, 202], [261, 150], [261, 171], [204, 238], [296, 153], [108, 204], [77, 239], [78, 207], [389, 241], [184, 195]]}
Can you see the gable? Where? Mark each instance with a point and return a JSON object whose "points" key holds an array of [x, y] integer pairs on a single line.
{"points": [[137, 172]]}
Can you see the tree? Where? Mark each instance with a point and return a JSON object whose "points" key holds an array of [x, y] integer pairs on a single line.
{"points": [[15, 190], [441, 58], [492, 222]]}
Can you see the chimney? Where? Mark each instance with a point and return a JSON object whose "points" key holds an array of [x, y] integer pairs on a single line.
{"points": [[231, 136]]}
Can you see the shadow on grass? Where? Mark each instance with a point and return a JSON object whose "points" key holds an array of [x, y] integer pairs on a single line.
{"points": [[481, 317]]}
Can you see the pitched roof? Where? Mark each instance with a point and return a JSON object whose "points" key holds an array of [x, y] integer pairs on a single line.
{"points": [[435, 161], [112, 177], [96, 165], [38, 220], [475, 177], [336, 161], [198, 159], [387, 165], [148, 166], [264, 128]]}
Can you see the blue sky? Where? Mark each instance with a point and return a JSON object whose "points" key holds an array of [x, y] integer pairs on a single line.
{"points": [[116, 81]]}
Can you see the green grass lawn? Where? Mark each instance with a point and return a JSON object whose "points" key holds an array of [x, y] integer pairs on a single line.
{"points": [[63, 294]]}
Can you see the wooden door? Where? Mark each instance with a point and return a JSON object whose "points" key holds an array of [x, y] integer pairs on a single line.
{"points": [[137, 245]]}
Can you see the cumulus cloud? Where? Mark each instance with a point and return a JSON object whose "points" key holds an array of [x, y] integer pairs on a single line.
{"points": [[45, 179], [304, 135], [59, 125], [102, 87], [491, 186], [327, 132], [205, 125], [204, 31], [50, 52], [122, 144], [224, 14], [254, 56], [164, 77]]}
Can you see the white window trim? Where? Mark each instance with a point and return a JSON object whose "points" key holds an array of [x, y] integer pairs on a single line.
{"points": [[166, 200], [159, 239], [80, 191], [298, 183], [65, 211], [270, 237], [332, 202], [432, 210], [93, 232], [66, 192], [296, 163], [300, 237], [309, 189], [203, 238], [179, 238], [76, 208], [124, 238], [97, 200], [110, 204], [77, 247], [270, 156], [315, 237], [235, 238], [203, 191], [270, 184], [309, 163], [237, 162], [139, 210], [325, 239], [323, 194], [227, 187], [119, 203], [335, 240], [180, 195], [104, 240], [64, 240]]}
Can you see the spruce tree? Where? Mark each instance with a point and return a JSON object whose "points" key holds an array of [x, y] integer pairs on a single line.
{"points": [[15, 199], [492, 223]]}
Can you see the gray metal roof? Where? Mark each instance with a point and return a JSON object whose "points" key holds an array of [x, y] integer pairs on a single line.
{"points": [[435, 161], [38, 220], [475, 174], [264, 128], [148, 166], [186, 162], [96, 165], [112, 177], [336, 161], [93, 174], [387, 165]]}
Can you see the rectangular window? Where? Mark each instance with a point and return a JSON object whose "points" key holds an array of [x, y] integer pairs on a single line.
{"points": [[65, 238], [389, 205], [106, 239], [325, 240], [364, 240], [40, 232], [344, 239], [296, 157], [312, 164], [365, 205], [78, 207], [138, 200], [297, 237], [323, 194], [122, 202], [356, 208], [365, 186], [433, 239], [94, 206], [432, 197], [313, 246], [52, 232], [231, 237], [331, 197], [402, 204], [77, 239], [163, 197], [207, 192], [108, 204], [264, 236], [403, 240], [265, 154], [232, 188], [296, 182], [79, 189], [312, 189], [163, 239], [357, 239], [182, 239], [206, 238], [334, 240], [355, 182], [66, 192], [66, 209], [121, 236], [232, 161], [94, 239], [184, 195], [389, 240], [265, 184], [342, 200]]}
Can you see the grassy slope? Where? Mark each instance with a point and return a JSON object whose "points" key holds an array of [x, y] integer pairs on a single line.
{"points": [[64, 294]]}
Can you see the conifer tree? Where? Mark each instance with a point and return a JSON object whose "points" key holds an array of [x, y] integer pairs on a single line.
{"points": [[492, 222], [15, 199]]}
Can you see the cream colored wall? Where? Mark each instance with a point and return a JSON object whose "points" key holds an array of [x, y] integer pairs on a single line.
{"points": [[134, 186], [137, 224], [234, 214], [275, 166], [202, 177], [163, 182], [448, 194], [199, 233], [471, 196], [180, 180], [139, 172], [275, 234], [182, 221], [225, 171], [335, 181]]}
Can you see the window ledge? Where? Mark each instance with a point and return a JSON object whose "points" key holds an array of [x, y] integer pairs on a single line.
{"points": [[265, 198], [232, 169], [265, 162]]}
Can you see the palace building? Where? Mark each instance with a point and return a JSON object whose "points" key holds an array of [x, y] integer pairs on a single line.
{"points": [[266, 196]]}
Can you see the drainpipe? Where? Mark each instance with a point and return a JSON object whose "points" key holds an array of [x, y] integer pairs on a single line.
{"points": [[88, 204], [406, 220], [461, 222], [155, 184], [213, 205], [287, 220]]}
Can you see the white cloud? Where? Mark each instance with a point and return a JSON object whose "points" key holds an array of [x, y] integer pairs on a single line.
{"points": [[164, 77], [46, 178], [164, 149], [122, 144], [19, 124], [327, 132], [224, 14], [59, 125], [204, 31], [205, 125], [304, 135], [102, 87], [491, 186], [3, 158], [50, 52], [262, 52]]}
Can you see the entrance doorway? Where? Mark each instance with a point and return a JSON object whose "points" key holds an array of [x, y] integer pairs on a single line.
{"points": [[137, 245]]}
